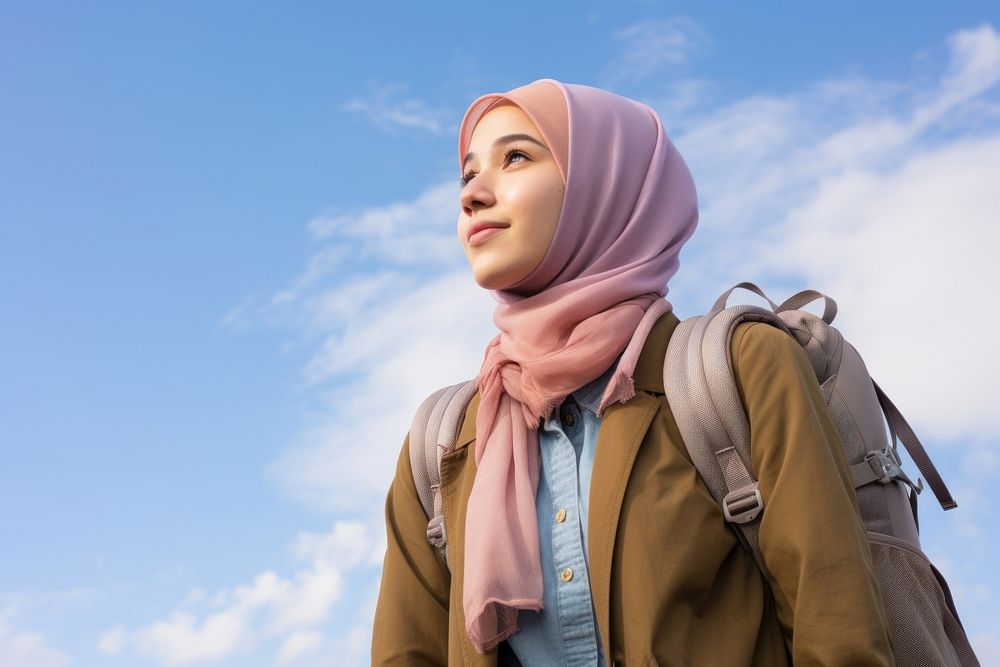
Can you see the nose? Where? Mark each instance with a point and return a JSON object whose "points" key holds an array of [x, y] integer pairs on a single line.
{"points": [[477, 194]]}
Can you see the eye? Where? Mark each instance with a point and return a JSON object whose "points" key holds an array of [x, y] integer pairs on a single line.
{"points": [[510, 154], [508, 157]]}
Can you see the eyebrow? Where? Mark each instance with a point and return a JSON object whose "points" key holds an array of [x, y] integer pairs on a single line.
{"points": [[506, 139]]}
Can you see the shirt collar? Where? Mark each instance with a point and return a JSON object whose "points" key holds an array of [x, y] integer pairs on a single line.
{"points": [[589, 395]]}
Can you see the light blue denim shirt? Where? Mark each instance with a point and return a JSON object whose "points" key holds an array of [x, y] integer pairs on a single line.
{"points": [[565, 631]]}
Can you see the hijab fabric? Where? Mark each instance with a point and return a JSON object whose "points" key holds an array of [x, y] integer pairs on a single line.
{"points": [[629, 205]]}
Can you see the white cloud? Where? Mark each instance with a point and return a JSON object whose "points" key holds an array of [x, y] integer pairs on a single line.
{"points": [[422, 337], [755, 158], [897, 226], [182, 638], [914, 245], [975, 68], [290, 610], [22, 647]]}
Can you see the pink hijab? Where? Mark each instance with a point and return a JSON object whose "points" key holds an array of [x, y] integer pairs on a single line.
{"points": [[629, 206]]}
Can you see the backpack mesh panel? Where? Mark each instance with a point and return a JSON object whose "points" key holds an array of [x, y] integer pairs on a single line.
{"points": [[923, 626]]}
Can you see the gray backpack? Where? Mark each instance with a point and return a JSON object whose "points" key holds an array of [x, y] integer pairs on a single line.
{"points": [[924, 626]]}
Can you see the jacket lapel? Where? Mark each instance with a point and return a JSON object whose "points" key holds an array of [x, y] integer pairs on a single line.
{"points": [[623, 428]]}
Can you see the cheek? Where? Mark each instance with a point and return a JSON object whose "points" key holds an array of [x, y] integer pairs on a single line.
{"points": [[536, 238], [537, 201], [547, 205]]}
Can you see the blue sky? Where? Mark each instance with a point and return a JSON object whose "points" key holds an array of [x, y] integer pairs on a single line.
{"points": [[225, 230]]}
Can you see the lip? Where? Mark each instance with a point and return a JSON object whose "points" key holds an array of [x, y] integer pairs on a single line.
{"points": [[481, 231], [483, 234]]}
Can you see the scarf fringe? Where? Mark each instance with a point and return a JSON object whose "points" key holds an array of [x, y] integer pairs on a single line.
{"points": [[620, 389], [533, 417]]}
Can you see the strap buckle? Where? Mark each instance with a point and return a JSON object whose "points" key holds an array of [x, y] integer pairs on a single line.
{"points": [[436, 534], [885, 463], [743, 505]]}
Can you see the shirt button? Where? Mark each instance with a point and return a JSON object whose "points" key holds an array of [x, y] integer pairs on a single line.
{"points": [[566, 574], [560, 516], [568, 418]]}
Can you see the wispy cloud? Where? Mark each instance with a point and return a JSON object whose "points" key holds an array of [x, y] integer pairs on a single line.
{"points": [[361, 257], [679, 99], [649, 46], [41, 603], [389, 107], [419, 232]]}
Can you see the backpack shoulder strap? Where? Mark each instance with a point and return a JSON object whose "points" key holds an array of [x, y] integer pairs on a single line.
{"points": [[433, 433], [705, 401]]}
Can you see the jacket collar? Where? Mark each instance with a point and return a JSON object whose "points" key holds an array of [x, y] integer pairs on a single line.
{"points": [[649, 369]]}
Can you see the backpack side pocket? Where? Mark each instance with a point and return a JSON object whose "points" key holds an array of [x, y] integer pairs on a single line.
{"points": [[923, 625]]}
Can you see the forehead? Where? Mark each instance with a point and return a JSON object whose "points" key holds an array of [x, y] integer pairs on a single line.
{"points": [[505, 118]]}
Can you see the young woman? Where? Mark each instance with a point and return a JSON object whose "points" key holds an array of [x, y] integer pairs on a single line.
{"points": [[579, 532]]}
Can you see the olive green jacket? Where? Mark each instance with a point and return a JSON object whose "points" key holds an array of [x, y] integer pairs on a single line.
{"points": [[671, 583]]}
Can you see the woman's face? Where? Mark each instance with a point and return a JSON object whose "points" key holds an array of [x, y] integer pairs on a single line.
{"points": [[512, 184]]}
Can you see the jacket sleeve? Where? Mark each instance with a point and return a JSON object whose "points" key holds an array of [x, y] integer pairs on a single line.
{"points": [[812, 539], [411, 616]]}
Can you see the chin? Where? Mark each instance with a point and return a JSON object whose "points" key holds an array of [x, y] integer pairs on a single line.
{"points": [[496, 281], [493, 273], [487, 283]]}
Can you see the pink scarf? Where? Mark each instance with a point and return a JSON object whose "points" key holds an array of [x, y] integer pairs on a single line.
{"points": [[629, 206]]}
